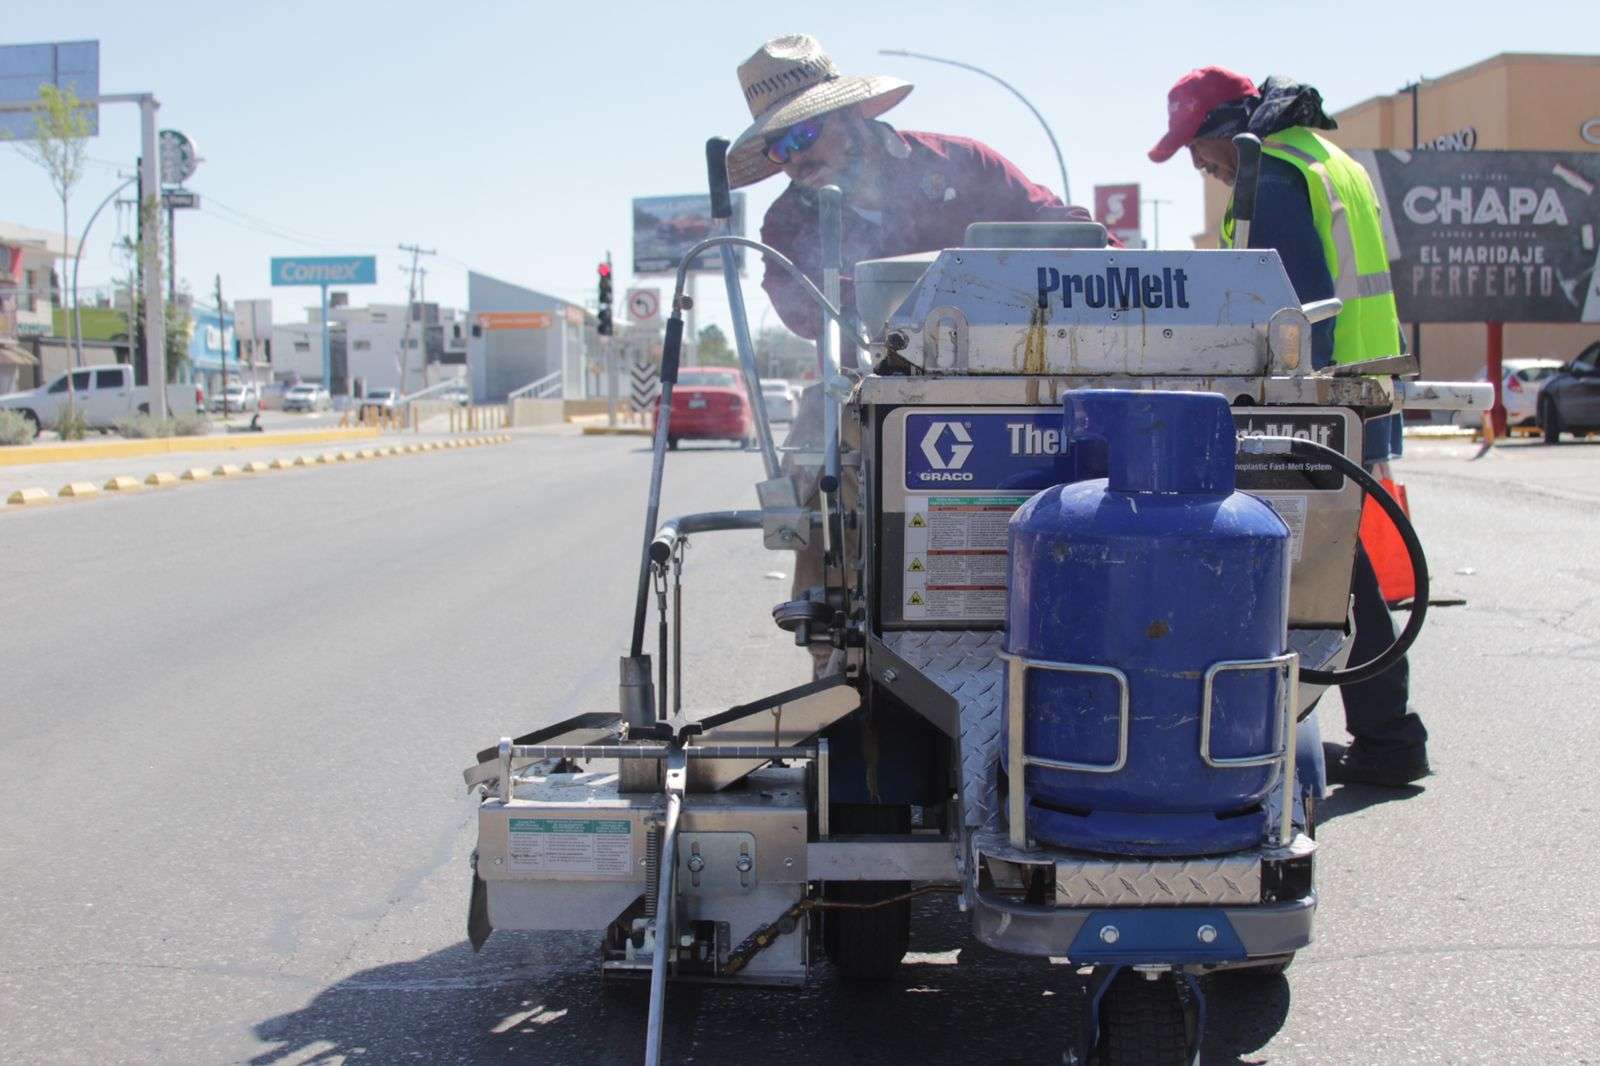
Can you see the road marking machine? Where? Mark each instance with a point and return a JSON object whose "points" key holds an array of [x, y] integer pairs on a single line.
{"points": [[1087, 520]]}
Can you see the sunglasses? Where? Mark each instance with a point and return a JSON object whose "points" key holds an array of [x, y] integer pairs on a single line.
{"points": [[794, 140]]}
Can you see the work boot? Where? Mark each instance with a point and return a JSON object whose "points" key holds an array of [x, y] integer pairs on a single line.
{"points": [[1391, 766]]}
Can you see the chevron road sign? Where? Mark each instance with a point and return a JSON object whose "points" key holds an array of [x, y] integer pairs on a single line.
{"points": [[646, 381]]}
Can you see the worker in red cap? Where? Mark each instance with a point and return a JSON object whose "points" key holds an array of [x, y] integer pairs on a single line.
{"points": [[1316, 207]]}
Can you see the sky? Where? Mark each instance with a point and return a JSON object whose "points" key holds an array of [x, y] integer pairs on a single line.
{"points": [[512, 137]]}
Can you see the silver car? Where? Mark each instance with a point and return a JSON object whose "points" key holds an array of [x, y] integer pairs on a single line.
{"points": [[779, 400]]}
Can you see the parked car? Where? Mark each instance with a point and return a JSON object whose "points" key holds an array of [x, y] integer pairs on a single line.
{"points": [[1520, 382], [380, 400], [780, 401], [708, 403], [237, 397], [306, 398], [1570, 399], [105, 395]]}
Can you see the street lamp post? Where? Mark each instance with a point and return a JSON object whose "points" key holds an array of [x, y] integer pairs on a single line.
{"points": [[1066, 193], [1156, 215], [77, 260]]}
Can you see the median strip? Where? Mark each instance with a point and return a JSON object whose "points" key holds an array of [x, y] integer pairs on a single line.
{"points": [[28, 497]]}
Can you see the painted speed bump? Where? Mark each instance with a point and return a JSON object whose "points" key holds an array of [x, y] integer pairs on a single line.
{"points": [[280, 463], [303, 460], [161, 479], [123, 484], [256, 466], [28, 497], [345, 457], [77, 490], [328, 457], [196, 473]]}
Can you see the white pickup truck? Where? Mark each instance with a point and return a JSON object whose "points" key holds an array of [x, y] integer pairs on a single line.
{"points": [[103, 393]]}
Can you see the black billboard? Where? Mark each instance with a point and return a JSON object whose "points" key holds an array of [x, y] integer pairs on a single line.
{"points": [[1491, 236]]}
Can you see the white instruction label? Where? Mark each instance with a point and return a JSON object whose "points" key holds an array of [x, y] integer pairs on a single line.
{"points": [[1292, 509], [956, 563], [572, 845]]}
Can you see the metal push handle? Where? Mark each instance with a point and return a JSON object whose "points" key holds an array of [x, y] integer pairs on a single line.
{"points": [[1291, 660], [1245, 180]]}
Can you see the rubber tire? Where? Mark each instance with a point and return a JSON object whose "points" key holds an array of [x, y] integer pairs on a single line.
{"points": [[672, 444], [1549, 421], [867, 945], [1142, 1023], [33, 420]]}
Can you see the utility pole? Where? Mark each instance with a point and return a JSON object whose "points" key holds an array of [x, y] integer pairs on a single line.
{"points": [[222, 344], [1156, 215], [411, 309], [172, 253], [1416, 142]]}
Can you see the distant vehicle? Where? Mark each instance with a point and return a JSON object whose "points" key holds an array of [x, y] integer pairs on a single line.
{"points": [[1570, 399], [380, 400], [780, 401], [240, 397], [306, 398], [1520, 383], [709, 404], [105, 395]]}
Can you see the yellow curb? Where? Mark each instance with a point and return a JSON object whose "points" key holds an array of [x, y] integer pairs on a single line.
{"points": [[280, 463], [196, 473], [616, 431], [75, 490], [28, 497], [161, 479], [227, 470], [302, 460], [123, 484], [219, 442], [256, 466]]}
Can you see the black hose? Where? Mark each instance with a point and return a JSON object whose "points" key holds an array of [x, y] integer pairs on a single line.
{"points": [[1306, 449]]}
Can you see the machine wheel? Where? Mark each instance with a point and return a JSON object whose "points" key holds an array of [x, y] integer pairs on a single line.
{"points": [[1549, 421], [1143, 1022], [867, 945]]}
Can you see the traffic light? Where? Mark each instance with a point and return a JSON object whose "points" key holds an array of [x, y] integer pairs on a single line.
{"points": [[604, 314]]}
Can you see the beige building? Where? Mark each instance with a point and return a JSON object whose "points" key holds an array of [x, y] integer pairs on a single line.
{"points": [[1514, 101]]}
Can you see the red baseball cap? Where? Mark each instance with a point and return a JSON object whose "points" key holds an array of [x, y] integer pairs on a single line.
{"points": [[1191, 100]]}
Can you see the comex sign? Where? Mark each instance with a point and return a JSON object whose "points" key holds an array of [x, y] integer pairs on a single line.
{"points": [[325, 270]]}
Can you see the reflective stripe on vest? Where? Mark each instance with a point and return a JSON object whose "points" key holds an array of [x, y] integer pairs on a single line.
{"points": [[1368, 326]]}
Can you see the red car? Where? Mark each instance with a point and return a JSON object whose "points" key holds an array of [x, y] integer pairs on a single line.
{"points": [[709, 403]]}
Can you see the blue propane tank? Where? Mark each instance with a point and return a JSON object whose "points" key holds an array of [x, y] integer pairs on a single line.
{"points": [[1155, 567]]}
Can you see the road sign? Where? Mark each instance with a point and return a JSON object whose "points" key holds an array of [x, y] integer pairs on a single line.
{"points": [[644, 305], [665, 227], [179, 158], [497, 320], [179, 199], [646, 382], [325, 270], [71, 65]]}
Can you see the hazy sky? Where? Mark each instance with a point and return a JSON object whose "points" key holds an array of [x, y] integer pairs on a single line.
{"points": [[512, 136]]}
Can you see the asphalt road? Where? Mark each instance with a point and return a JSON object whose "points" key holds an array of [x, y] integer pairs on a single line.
{"points": [[234, 827]]}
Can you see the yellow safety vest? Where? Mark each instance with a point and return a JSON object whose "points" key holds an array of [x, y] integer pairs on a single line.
{"points": [[1348, 217]]}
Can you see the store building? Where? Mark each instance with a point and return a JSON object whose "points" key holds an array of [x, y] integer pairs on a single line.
{"points": [[1510, 102], [29, 289], [518, 336]]}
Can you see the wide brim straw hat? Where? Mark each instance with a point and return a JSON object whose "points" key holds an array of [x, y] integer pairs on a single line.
{"points": [[789, 80]]}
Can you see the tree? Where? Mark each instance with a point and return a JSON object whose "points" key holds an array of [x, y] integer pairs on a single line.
{"points": [[61, 129], [781, 354], [713, 349]]}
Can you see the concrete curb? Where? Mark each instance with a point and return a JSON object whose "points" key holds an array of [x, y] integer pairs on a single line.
{"points": [[27, 455], [124, 484], [616, 431]]}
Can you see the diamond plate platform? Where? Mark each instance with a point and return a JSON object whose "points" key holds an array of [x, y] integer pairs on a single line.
{"points": [[966, 664], [1172, 883]]}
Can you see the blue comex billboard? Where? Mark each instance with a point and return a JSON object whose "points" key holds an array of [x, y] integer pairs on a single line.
{"points": [[325, 270]]}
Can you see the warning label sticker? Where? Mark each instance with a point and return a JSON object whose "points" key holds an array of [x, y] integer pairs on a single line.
{"points": [[572, 845], [956, 557], [1292, 509]]}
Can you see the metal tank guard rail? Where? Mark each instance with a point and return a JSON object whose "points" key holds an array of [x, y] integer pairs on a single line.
{"points": [[1018, 758]]}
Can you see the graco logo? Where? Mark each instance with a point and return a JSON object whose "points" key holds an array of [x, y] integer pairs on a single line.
{"points": [[947, 467]]}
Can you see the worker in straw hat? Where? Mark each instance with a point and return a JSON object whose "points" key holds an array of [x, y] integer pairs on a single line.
{"points": [[903, 192]]}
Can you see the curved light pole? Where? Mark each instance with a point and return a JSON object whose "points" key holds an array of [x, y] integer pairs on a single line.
{"points": [[1066, 194], [77, 259]]}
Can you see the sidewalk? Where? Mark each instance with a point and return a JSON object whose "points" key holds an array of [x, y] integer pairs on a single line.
{"points": [[598, 426]]}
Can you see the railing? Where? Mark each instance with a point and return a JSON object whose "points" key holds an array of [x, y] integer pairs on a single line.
{"points": [[548, 387], [432, 390]]}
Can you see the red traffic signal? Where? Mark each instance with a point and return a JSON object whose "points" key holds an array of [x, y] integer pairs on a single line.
{"points": [[605, 270]]}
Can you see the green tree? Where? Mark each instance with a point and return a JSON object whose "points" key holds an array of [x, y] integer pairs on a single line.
{"points": [[781, 354], [714, 349], [61, 130]]}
